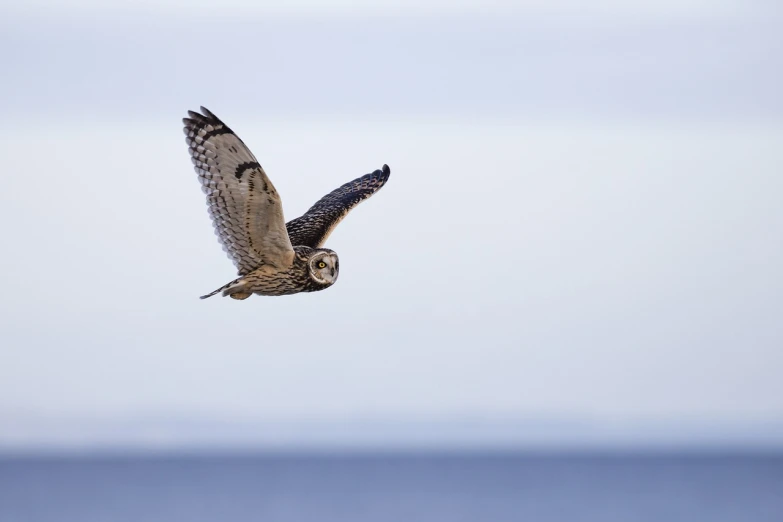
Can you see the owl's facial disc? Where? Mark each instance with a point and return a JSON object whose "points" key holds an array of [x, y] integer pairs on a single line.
{"points": [[324, 267]]}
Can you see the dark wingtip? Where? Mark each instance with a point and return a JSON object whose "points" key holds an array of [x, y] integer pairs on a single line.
{"points": [[203, 116], [386, 170]]}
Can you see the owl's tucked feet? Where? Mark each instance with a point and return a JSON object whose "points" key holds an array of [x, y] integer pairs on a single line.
{"points": [[240, 295]]}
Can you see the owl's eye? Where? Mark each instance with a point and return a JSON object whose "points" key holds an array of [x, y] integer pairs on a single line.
{"points": [[321, 264]]}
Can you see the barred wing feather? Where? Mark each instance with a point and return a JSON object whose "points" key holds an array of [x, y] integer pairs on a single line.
{"points": [[313, 228], [245, 208]]}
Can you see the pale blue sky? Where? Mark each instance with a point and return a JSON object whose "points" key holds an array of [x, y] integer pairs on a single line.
{"points": [[583, 220]]}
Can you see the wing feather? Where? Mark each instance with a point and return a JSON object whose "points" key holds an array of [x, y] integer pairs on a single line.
{"points": [[313, 228], [245, 208]]}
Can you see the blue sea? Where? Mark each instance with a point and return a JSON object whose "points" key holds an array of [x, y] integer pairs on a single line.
{"points": [[393, 488]]}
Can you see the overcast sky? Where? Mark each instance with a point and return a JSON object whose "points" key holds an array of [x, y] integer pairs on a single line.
{"points": [[583, 219]]}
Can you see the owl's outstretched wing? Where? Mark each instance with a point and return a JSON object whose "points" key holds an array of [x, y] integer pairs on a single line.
{"points": [[316, 224], [245, 208]]}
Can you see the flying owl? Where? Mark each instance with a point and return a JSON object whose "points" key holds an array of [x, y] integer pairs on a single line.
{"points": [[273, 257]]}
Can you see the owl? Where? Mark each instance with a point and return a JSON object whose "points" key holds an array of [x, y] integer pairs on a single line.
{"points": [[272, 257]]}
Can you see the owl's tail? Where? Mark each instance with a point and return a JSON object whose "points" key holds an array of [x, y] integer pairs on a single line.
{"points": [[234, 289]]}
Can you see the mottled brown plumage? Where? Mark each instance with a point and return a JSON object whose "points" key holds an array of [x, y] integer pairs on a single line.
{"points": [[272, 257]]}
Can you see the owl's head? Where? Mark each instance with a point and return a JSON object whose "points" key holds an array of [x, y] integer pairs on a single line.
{"points": [[324, 267]]}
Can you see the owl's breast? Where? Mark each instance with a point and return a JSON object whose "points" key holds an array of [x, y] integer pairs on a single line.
{"points": [[269, 280]]}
